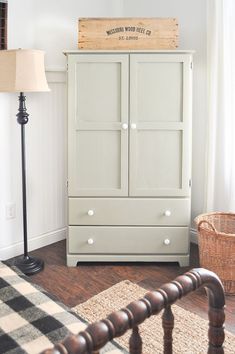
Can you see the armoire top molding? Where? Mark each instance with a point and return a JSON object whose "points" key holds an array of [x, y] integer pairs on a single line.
{"points": [[160, 51]]}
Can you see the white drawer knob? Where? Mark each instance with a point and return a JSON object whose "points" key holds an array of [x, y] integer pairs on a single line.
{"points": [[133, 126], [124, 126], [90, 212], [167, 213], [167, 241], [90, 241]]}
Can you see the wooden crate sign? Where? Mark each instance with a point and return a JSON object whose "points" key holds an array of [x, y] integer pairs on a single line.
{"points": [[128, 33]]}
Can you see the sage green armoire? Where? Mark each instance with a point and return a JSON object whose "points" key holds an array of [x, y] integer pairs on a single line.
{"points": [[129, 155]]}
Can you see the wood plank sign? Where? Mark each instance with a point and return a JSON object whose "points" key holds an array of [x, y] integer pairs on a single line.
{"points": [[128, 33]]}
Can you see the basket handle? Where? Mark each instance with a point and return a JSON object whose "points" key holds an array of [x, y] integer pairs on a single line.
{"points": [[208, 223]]}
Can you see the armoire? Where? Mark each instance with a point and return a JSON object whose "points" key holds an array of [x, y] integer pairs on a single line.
{"points": [[129, 156]]}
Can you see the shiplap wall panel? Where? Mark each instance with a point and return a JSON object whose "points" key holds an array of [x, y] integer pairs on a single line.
{"points": [[46, 157]]}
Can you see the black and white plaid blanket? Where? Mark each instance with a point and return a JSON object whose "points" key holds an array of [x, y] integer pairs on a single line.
{"points": [[30, 320]]}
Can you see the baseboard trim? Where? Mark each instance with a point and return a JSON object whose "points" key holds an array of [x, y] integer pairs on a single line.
{"points": [[33, 243], [193, 236]]}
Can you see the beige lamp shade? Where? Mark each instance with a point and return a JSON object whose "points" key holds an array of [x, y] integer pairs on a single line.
{"points": [[22, 70]]}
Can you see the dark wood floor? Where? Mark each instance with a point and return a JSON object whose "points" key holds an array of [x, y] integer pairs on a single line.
{"points": [[77, 284]]}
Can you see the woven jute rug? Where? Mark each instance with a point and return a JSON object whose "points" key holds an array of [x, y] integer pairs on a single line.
{"points": [[190, 331]]}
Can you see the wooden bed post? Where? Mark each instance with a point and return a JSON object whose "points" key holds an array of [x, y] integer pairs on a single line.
{"points": [[216, 313]]}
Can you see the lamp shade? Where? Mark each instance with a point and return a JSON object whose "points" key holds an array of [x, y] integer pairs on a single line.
{"points": [[22, 70]]}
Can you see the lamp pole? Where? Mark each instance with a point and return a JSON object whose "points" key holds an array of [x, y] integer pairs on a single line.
{"points": [[27, 264]]}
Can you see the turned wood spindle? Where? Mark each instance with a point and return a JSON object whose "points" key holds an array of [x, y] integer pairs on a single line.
{"points": [[168, 325], [135, 342]]}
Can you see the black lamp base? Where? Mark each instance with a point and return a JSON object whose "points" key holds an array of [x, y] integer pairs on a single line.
{"points": [[29, 265]]}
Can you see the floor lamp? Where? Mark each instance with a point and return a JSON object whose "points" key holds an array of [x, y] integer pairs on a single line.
{"points": [[22, 70]]}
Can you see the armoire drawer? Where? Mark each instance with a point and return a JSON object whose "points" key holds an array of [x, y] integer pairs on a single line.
{"points": [[127, 240], [129, 211]]}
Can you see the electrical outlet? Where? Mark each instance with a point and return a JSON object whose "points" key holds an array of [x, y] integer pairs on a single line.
{"points": [[10, 211]]}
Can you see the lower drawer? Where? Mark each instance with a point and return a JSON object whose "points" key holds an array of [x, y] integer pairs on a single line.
{"points": [[128, 240]]}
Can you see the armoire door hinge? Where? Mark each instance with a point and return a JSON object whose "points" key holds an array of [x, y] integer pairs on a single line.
{"points": [[191, 65], [190, 182]]}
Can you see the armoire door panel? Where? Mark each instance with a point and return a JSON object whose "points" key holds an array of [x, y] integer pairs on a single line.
{"points": [[99, 168], [159, 161], [98, 92], [158, 84], [98, 108]]}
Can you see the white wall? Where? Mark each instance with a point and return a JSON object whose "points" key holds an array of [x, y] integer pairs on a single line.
{"points": [[52, 26]]}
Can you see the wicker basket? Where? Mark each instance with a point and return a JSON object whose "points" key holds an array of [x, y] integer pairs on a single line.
{"points": [[216, 236]]}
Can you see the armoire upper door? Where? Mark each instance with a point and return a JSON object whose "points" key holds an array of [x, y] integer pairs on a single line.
{"points": [[98, 124], [160, 115]]}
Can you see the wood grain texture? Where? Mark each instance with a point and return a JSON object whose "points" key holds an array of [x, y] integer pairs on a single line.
{"points": [[75, 285], [128, 33]]}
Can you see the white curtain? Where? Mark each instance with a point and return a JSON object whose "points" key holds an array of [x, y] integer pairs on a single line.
{"points": [[220, 161]]}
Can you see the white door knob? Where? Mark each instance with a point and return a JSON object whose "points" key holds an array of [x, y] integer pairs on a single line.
{"points": [[167, 241], [167, 213], [90, 241], [133, 126], [124, 126], [90, 212]]}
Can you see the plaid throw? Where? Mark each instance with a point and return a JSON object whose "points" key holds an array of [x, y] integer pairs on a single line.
{"points": [[30, 320]]}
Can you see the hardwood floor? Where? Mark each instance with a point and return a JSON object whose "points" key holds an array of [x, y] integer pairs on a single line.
{"points": [[77, 284]]}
